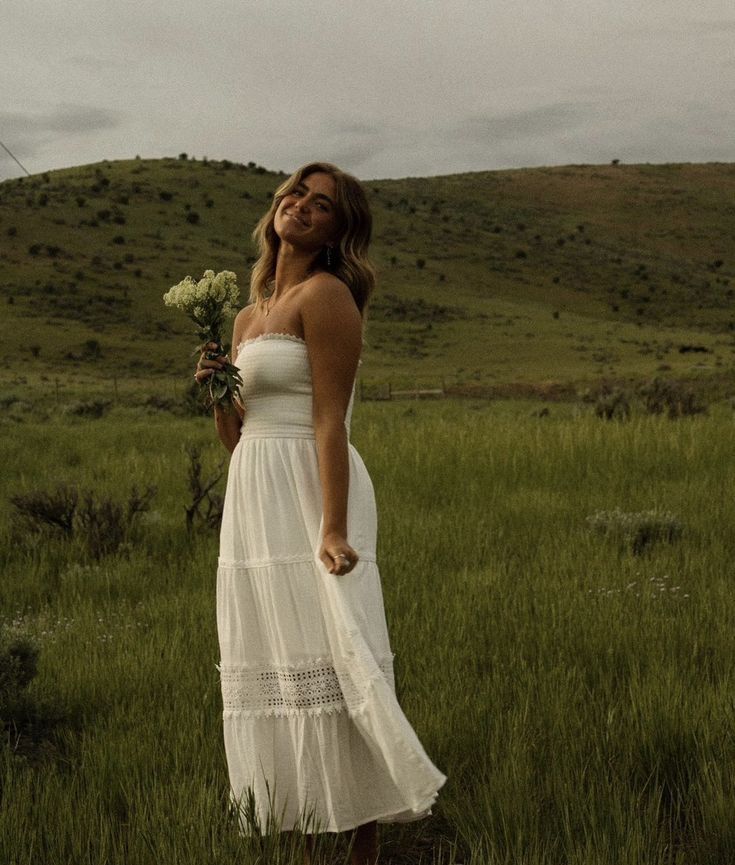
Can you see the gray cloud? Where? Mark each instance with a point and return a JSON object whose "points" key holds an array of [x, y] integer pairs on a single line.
{"points": [[421, 87], [29, 133], [92, 63], [528, 123]]}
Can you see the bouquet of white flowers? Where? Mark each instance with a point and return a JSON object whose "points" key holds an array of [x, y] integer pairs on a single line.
{"points": [[208, 303]]}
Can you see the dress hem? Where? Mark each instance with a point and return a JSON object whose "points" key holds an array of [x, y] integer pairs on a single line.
{"points": [[384, 818]]}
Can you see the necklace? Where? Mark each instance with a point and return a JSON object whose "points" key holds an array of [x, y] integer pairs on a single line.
{"points": [[268, 303], [272, 295]]}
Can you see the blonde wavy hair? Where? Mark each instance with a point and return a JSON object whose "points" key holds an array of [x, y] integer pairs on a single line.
{"points": [[352, 264]]}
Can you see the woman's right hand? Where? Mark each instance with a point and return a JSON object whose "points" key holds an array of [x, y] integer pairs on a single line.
{"points": [[210, 361]]}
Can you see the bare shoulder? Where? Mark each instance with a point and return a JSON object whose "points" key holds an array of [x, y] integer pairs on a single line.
{"points": [[239, 327], [327, 299], [242, 318]]}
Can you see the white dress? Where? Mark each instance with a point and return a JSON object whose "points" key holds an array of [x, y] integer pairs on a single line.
{"points": [[314, 736]]}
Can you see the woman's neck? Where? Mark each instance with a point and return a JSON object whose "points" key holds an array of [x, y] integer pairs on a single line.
{"points": [[292, 267]]}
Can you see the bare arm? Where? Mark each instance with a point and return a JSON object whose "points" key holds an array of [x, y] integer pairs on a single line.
{"points": [[333, 332], [226, 422]]}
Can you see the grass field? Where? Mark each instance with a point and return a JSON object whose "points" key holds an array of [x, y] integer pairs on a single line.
{"points": [[577, 694]]}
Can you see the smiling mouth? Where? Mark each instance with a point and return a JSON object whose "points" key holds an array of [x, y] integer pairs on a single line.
{"points": [[299, 220]]}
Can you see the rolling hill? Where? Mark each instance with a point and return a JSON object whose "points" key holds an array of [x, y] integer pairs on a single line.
{"points": [[528, 278]]}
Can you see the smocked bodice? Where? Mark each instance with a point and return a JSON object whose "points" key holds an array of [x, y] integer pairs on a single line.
{"points": [[276, 389]]}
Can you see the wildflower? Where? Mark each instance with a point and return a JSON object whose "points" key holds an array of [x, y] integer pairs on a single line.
{"points": [[208, 303]]}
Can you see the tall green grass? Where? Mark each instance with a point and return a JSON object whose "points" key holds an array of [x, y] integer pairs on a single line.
{"points": [[578, 696]]}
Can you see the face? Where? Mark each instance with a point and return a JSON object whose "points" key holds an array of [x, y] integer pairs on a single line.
{"points": [[308, 215]]}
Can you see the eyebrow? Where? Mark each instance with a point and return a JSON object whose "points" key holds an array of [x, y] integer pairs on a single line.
{"points": [[318, 194]]}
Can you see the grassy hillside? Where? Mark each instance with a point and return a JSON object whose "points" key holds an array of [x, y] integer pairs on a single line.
{"points": [[564, 274]]}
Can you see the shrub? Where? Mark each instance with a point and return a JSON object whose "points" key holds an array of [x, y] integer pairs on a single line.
{"points": [[192, 217], [671, 397], [99, 523], [92, 350], [636, 531], [106, 524], [612, 404], [160, 403], [91, 408], [18, 668], [205, 507], [43, 510]]}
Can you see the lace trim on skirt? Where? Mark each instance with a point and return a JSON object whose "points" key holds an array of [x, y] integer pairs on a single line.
{"points": [[311, 688]]}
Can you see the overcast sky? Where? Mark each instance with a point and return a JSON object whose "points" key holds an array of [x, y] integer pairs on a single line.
{"points": [[384, 88]]}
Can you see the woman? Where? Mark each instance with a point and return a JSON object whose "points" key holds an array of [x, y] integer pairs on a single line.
{"points": [[314, 735]]}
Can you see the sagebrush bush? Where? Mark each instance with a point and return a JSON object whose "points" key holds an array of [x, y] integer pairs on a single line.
{"points": [[636, 531], [18, 668], [100, 524], [612, 405], [662, 396], [47, 509], [205, 507], [91, 408]]}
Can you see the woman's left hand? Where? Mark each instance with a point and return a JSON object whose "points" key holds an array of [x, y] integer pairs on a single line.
{"points": [[337, 555]]}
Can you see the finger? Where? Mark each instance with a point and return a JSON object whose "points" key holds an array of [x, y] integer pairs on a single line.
{"points": [[207, 363], [326, 561], [338, 564], [343, 562]]}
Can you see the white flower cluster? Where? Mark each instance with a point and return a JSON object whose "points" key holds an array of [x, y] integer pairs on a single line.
{"points": [[194, 298]]}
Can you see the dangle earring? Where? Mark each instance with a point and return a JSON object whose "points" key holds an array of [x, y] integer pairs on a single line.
{"points": [[329, 256]]}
